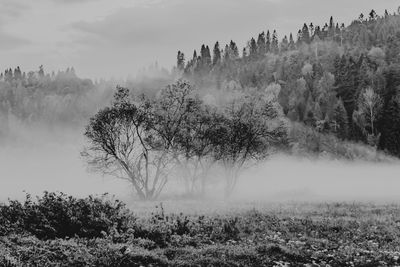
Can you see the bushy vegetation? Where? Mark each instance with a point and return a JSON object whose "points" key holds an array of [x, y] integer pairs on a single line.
{"points": [[60, 216], [299, 235]]}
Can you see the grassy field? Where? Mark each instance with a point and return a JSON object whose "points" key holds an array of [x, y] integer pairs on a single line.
{"points": [[58, 230]]}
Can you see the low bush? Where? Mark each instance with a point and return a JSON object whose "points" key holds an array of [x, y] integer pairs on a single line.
{"points": [[56, 215]]}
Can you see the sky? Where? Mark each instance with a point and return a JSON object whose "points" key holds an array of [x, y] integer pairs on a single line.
{"points": [[116, 38]]}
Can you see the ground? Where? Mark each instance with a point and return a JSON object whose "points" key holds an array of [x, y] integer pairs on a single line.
{"points": [[216, 233]]}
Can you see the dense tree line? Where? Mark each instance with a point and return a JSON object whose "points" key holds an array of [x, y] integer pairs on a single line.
{"points": [[55, 98], [338, 80]]}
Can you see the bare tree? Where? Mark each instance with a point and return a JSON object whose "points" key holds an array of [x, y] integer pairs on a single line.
{"points": [[248, 132], [136, 140], [369, 108], [196, 146]]}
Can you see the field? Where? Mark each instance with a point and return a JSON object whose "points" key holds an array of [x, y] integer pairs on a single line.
{"points": [[68, 231]]}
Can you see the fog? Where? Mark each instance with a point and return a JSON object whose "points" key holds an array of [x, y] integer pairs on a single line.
{"points": [[287, 178], [39, 159]]}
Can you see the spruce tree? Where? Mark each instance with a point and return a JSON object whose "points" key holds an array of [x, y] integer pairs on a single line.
{"points": [[234, 50], [390, 127], [341, 120], [292, 45], [261, 44], [305, 34], [253, 48], [41, 71], [217, 54], [268, 42], [285, 44], [274, 43], [208, 60], [180, 61], [227, 54]]}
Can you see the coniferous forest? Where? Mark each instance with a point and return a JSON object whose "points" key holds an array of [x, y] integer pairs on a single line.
{"points": [[190, 139]]}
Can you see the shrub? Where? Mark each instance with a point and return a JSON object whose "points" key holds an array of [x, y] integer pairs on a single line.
{"points": [[56, 215]]}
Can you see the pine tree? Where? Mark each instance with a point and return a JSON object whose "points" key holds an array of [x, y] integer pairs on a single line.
{"points": [[292, 45], [41, 71], [253, 48], [274, 43], [390, 127], [261, 44], [305, 34], [268, 42], [331, 28], [298, 41], [234, 50], [227, 56], [317, 32], [217, 54], [311, 27], [194, 55], [208, 56], [341, 120], [17, 73], [285, 44], [180, 61], [372, 15]]}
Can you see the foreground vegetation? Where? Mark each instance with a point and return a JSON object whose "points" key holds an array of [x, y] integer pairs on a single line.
{"points": [[61, 230]]}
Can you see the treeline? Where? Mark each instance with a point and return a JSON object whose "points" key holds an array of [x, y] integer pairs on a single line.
{"points": [[339, 80], [64, 98], [60, 97]]}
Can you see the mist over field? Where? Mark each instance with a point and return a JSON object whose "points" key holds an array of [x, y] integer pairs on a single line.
{"points": [[40, 160]]}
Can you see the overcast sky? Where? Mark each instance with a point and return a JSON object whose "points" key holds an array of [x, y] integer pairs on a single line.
{"points": [[115, 38]]}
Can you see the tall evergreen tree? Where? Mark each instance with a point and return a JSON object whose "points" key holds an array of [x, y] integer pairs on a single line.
{"points": [[341, 120], [217, 54], [292, 45], [274, 43], [227, 54], [305, 34], [390, 127], [268, 42], [253, 48], [285, 44], [208, 60], [234, 50], [261, 44], [311, 28], [180, 61], [41, 71]]}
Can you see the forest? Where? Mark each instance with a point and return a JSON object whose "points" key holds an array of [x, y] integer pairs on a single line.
{"points": [[334, 80]]}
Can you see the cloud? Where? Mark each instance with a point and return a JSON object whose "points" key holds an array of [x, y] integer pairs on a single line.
{"points": [[73, 1], [9, 41], [12, 9], [168, 22]]}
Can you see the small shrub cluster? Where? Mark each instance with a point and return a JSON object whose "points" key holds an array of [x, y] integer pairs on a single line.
{"points": [[56, 215]]}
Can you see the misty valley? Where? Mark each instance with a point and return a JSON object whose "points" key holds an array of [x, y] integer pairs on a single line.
{"points": [[284, 152]]}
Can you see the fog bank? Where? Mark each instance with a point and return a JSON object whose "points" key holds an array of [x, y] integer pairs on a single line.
{"points": [[40, 160]]}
